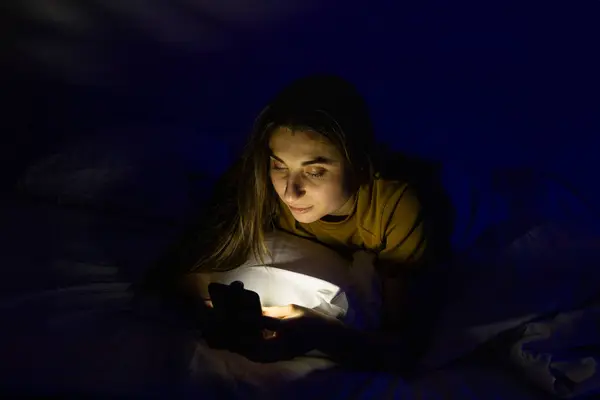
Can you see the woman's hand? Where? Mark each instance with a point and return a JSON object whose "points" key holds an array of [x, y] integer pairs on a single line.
{"points": [[295, 312], [292, 319], [300, 330], [291, 331]]}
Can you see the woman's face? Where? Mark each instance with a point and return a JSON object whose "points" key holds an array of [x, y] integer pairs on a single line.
{"points": [[307, 172]]}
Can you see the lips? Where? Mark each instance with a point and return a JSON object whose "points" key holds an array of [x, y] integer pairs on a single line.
{"points": [[299, 209]]}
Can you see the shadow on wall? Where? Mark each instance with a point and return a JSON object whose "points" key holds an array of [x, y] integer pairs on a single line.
{"points": [[75, 68], [489, 85]]}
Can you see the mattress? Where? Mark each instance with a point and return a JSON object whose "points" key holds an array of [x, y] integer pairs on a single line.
{"points": [[72, 328], [69, 326], [109, 350]]}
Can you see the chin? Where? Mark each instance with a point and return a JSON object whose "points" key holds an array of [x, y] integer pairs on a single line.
{"points": [[306, 218]]}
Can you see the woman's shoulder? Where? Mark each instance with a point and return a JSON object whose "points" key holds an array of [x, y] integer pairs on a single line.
{"points": [[379, 198], [380, 191]]}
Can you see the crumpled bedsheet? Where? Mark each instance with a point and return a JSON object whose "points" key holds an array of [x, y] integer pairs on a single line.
{"points": [[119, 353], [91, 339], [552, 267], [561, 354]]}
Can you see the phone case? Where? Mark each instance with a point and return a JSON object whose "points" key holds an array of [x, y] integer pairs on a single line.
{"points": [[234, 302]]}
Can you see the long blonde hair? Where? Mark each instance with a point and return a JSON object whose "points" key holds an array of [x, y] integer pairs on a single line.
{"points": [[325, 104]]}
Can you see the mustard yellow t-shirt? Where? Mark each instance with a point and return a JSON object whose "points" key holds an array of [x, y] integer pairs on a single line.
{"points": [[386, 219]]}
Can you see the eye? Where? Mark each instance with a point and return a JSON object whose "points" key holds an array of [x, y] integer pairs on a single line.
{"points": [[316, 172], [277, 166]]}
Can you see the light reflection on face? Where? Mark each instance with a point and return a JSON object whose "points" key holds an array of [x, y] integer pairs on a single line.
{"points": [[307, 172]]}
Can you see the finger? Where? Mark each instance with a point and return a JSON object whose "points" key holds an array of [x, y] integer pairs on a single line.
{"points": [[278, 311], [268, 334], [208, 303]]}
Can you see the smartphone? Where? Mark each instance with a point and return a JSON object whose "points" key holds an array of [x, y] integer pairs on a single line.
{"points": [[238, 314], [234, 303]]}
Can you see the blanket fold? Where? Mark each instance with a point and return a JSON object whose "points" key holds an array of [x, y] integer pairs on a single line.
{"points": [[561, 354]]}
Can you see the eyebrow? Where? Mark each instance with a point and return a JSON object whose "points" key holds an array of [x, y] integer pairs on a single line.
{"points": [[316, 160]]}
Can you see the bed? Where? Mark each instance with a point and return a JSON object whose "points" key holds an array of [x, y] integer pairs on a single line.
{"points": [[87, 220], [71, 327], [78, 334]]}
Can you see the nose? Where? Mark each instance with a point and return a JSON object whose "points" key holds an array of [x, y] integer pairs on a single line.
{"points": [[294, 188]]}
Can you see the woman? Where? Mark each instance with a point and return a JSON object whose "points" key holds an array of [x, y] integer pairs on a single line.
{"points": [[308, 170]]}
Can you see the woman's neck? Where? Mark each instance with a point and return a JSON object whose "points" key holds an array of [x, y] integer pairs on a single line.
{"points": [[346, 209]]}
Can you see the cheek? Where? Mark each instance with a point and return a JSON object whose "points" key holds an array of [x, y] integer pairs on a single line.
{"points": [[278, 183], [331, 195]]}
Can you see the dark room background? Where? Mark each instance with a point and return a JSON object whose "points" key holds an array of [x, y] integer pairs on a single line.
{"points": [[482, 84], [117, 116]]}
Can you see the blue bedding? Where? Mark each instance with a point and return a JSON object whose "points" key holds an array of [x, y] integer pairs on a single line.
{"points": [[508, 224], [487, 90], [88, 250]]}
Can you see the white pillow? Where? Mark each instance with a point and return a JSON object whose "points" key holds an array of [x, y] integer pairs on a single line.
{"points": [[302, 272]]}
